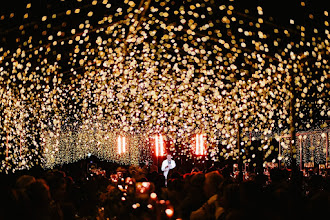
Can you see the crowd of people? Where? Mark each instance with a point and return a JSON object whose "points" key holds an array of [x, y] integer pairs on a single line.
{"points": [[142, 192]]}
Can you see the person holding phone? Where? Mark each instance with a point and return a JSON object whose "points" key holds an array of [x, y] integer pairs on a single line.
{"points": [[167, 165]]}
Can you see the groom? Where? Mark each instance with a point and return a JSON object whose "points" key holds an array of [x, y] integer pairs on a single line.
{"points": [[167, 165]]}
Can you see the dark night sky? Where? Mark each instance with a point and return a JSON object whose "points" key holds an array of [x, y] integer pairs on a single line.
{"points": [[281, 10]]}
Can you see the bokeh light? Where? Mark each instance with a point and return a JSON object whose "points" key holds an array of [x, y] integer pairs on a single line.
{"points": [[75, 77]]}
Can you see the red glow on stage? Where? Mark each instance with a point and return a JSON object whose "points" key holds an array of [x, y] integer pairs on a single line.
{"points": [[159, 145], [200, 144]]}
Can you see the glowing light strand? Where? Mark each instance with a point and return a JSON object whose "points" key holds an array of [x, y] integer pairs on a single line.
{"points": [[200, 148], [159, 145], [121, 145]]}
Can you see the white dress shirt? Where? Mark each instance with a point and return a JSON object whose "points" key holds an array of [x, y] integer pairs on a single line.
{"points": [[167, 165]]}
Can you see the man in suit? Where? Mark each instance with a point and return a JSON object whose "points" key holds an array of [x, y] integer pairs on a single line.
{"points": [[167, 165]]}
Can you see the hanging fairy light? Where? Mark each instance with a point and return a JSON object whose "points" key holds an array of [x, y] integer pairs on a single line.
{"points": [[181, 74], [159, 145], [121, 145]]}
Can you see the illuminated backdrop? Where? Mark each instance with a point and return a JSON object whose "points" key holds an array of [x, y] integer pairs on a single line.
{"points": [[177, 68]]}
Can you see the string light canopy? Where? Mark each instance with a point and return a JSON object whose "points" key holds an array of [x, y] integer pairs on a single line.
{"points": [[142, 66]]}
